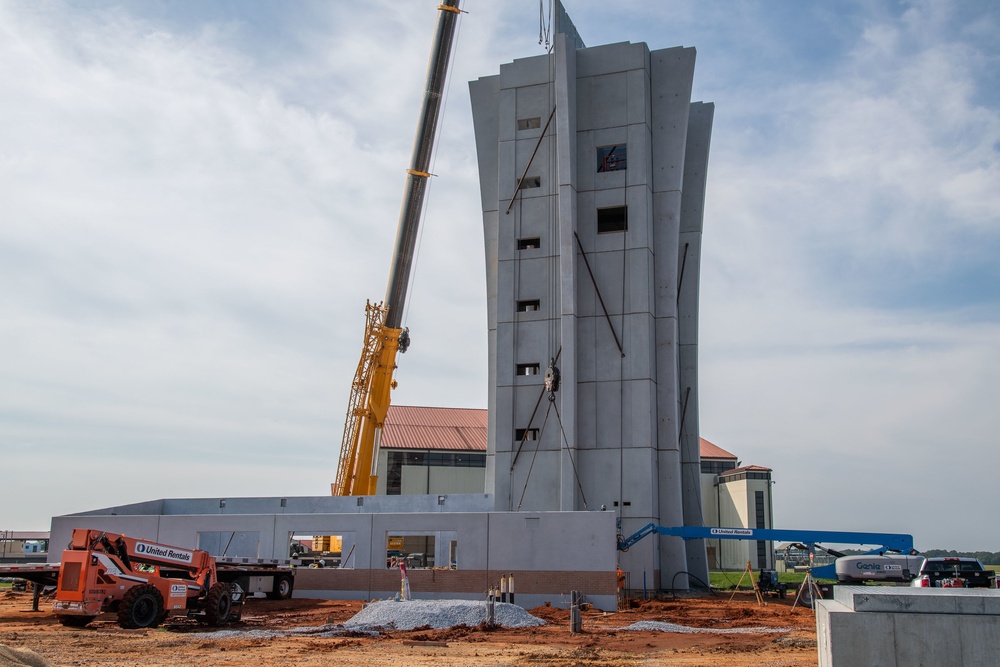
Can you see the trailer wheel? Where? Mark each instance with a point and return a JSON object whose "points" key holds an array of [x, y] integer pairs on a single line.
{"points": [[141, 607], [282, 588], [218, 604], [76, 621], [782, 590]]}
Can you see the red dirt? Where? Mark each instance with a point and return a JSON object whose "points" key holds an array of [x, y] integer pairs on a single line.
{"points": [[182, 641]]}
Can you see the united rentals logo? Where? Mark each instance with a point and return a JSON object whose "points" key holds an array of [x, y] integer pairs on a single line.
{"points": [[167, 553], [731, 531]]}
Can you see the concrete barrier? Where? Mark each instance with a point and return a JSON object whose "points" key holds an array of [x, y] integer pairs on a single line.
{"points": [[892, 626]]}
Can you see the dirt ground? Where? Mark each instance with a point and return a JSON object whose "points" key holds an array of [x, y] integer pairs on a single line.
{"points": [[184, 642]]}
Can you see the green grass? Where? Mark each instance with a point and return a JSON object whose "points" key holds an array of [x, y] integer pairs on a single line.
{"points": [[727, 580]]}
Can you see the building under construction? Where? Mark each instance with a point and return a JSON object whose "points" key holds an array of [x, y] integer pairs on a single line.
{"points": [[592, 168]]}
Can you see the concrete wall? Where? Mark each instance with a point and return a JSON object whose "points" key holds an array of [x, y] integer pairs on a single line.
{"points": [[908, 627], [617, 310], [550, 553]]}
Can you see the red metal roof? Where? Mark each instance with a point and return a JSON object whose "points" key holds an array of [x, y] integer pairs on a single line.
{"points": [[412, 427], [460, 429], [712, 451]]}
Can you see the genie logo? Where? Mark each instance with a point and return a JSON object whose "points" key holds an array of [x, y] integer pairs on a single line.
{"points": [[861, 565]]}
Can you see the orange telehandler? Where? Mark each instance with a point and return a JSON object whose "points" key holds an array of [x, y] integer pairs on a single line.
{"points": [[142, 581]]}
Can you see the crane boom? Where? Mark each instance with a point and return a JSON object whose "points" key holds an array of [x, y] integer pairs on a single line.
{"points": [[384, 335]]}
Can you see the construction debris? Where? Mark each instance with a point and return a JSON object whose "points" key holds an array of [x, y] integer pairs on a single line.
{"points": [[683, 629]]}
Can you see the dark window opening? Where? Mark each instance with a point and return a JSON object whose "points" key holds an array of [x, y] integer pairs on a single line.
{"points": [[528, 305], [531, 182], [612, 219], [525, 434], [529, 244], [396, 461], [716, 467], [612, 158], [529, 123], [527, 369]]}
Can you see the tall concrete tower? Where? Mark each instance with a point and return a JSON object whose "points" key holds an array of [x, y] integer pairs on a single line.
{"points": [[592, 166]]}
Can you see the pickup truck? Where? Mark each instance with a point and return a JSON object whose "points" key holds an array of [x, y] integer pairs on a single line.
{"points": [[953, 572]]}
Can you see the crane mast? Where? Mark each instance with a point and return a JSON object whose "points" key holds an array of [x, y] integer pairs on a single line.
{"points": [[384, 336]]}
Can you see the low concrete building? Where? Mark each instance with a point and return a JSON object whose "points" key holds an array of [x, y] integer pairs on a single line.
{"points": [[469, 546]]}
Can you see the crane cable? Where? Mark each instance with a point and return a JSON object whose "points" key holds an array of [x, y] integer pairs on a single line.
{"points": [[434, 156]]}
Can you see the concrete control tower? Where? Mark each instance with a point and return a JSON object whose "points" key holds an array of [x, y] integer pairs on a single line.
{"points": [[592, 166]]}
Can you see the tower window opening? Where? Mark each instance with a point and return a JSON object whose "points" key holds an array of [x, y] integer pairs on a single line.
{"points": [[528, 305], [612, 158], [612, 219], [531, 182], [529, 123], [525, 434], [528, 369], [529, 244]]}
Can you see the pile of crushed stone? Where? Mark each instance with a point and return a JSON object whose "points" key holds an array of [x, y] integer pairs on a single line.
{"points": [[20, 657], [397, 615], [437, 614], [662, 626]]}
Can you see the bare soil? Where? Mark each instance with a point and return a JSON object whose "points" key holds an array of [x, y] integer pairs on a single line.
{"points": [[184, 642]]}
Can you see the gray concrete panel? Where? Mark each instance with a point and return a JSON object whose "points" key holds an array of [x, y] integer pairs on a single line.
{"points": [[536, 157], [586, 363], [584, 107], [638, 96], [540, 534], [666, 220], [506, 102], [586, 219], [610, 58], [485, 117], [535, 479], [640, 155], [491, 248], [699, 141], [638, 334], [586, 432], [639, 199], [608, 414], [608, 101], [671, 71], [525, 72], [638, 482], [534, 102], [639, 288]]}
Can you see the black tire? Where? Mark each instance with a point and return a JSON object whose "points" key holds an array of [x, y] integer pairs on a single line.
{"points": [[141, 607], [76, 621], [218, 604], [282, 588], [782, 591]]}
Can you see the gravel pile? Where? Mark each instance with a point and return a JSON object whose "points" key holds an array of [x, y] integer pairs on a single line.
{"points": [[673, 627], [437, 614]]}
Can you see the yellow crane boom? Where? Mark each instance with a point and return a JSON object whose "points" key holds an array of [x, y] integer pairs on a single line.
{"points": [[384, 334]]}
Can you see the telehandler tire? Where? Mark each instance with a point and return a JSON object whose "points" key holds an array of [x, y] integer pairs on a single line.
{"points": [[141, 607], [218, 604]]}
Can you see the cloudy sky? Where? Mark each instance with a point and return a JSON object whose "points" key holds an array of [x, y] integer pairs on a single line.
{"points": [[197, 198]]}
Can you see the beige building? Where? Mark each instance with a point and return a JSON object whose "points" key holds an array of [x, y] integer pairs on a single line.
{"points": [[735, 496], [443, 450]]}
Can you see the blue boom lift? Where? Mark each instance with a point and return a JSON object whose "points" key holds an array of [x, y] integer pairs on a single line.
{"points": [[811, 539]]}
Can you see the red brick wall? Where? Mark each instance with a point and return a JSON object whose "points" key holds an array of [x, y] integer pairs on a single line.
{"points": [[458, 581]]}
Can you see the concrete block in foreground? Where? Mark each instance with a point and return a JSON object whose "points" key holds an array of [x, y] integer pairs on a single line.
{"points": [[897, 627]]}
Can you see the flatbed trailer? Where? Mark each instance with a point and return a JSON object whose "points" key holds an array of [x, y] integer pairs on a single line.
{"points": [[273, 578]]}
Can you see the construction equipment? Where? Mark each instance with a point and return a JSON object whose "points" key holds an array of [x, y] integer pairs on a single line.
{"points": [[384, 334], [142, 581], [810, 539]]}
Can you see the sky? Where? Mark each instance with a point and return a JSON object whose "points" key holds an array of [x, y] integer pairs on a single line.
{"points": [[197, 199]]}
